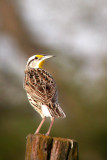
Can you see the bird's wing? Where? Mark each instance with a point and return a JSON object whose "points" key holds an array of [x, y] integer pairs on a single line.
{"points": [[40, 85]]}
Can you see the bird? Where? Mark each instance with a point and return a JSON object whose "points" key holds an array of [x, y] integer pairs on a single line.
{"points": [[41, 90]]}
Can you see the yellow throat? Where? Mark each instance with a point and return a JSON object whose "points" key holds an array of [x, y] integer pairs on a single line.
{"points": [[41, 62]]}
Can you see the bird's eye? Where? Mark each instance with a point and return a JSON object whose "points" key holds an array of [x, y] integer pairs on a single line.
{"points": [[36, 57]]}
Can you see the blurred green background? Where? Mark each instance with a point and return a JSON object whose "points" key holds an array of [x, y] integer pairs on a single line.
{"points": [[74, 31]]}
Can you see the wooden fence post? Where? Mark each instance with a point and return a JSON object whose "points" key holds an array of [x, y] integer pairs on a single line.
{"points": [[41, 147]]}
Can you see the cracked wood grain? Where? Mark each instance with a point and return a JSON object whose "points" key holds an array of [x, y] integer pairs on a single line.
{"points": [[41, 147]]}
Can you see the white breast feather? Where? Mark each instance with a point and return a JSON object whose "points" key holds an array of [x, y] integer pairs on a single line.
{"points": [[45, 111]]}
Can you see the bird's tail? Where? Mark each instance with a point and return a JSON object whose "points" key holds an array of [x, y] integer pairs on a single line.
{"points": [[56, 111], [60, 111]]}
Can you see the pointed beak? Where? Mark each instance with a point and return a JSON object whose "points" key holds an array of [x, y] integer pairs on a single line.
{"points": [[48, 56]]}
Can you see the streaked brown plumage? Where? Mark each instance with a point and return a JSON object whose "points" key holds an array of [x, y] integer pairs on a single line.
{"points": [[41, 90]]}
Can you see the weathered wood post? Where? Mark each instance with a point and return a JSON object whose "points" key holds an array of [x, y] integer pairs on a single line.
{"points": [[41, 147]]}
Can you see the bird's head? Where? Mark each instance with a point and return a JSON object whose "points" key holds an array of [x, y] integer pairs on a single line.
{"points": [[37, 61]]}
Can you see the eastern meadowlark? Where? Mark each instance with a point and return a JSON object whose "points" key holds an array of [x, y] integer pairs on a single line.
{"points": [[41, 90]]}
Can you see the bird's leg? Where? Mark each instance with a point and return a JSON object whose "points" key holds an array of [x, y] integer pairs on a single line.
{"points": [[40, 125], [52, 121]]}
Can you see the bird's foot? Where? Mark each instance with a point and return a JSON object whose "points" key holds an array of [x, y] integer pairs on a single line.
{"points": [[47, 134], [37, 132]]}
